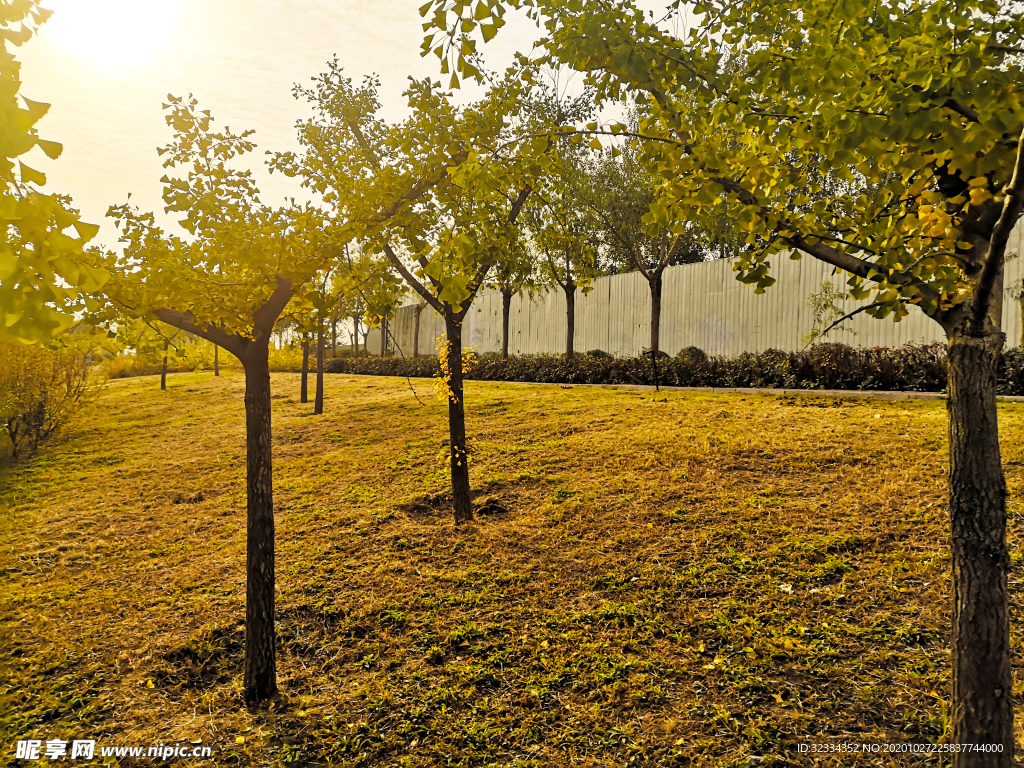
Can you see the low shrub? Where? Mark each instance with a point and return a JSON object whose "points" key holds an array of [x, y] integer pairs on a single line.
{"points": [[373, 365], [913, 368], [598, 353], [40, 390], [197, 356]]}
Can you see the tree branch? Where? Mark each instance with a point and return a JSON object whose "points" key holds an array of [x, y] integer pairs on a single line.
{"points": [[844, 318], [264, 317], [1012, 206], [186, 321], [411, 279]]}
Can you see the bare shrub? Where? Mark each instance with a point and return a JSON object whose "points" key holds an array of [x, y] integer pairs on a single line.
{"points": [[40, 389]]}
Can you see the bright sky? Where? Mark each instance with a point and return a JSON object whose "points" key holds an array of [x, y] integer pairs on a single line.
{"points": [[106, 66]]}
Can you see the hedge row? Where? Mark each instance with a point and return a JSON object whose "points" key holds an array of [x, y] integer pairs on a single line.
{"points": [[824, 366]]}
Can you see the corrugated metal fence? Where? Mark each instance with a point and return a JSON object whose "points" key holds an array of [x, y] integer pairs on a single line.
{"points": [[703, 305]]}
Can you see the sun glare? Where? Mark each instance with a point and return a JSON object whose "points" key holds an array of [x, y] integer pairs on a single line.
{"points": [[111, 33]]}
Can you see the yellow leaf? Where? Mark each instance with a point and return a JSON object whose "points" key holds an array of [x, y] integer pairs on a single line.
{"points": [[51, 148], [36, 108], [239, 739], [31, 176], [86, 231]]}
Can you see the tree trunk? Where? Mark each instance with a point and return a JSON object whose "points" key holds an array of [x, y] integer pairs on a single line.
{"points": [[416, 330], [506, 308], [260, 670], [163, 369], [461, 501], [334, 333], [318, 402], [656, 284], [383, 338], [304, 383], [570, 313], [216, 360], [982, 711]]}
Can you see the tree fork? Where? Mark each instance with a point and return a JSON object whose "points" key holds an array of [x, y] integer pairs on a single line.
{"points": [[982, 711]]}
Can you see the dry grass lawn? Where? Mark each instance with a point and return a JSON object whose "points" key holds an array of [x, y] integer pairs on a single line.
{"points": [[681, 579]]}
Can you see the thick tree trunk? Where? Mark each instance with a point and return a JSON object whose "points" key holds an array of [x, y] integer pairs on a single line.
{"points": [[163, 369], [506, 308], [982, 711], [318, 402], [216, 360], [416, 330], [304, 382], [462, 504], [656, 284], [570, 313], [260, 670]]}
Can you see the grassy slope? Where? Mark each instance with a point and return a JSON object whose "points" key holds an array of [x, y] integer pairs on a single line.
{"points": [[630, 605]]}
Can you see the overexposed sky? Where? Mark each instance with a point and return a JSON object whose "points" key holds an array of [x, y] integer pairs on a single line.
{"points": [[105, 66]]}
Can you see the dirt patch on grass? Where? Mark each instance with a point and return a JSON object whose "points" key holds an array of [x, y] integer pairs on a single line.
{"points": [[681, 579]]}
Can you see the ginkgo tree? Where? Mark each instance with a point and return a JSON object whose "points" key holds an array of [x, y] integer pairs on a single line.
{"points": [[228, 283], [514, 271], [563, 234], [913, 110], [46, 276], [444, 188]]}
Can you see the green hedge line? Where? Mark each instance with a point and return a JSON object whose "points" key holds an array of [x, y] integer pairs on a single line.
{"points": [[911, 368]]}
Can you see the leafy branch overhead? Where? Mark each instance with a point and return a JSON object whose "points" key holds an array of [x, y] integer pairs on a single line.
{"points": [[46, 275], [912, 111]]}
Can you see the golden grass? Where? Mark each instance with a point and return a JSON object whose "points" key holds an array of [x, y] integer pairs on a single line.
{"points": [[680, 579]]}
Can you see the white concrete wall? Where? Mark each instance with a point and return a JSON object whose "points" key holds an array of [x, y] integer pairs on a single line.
{"points": [[703, 305]]}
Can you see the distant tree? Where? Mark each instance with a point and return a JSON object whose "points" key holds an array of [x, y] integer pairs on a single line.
{"points": [[514, 271], [620, 191], [417, 312], [562, 229]]}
